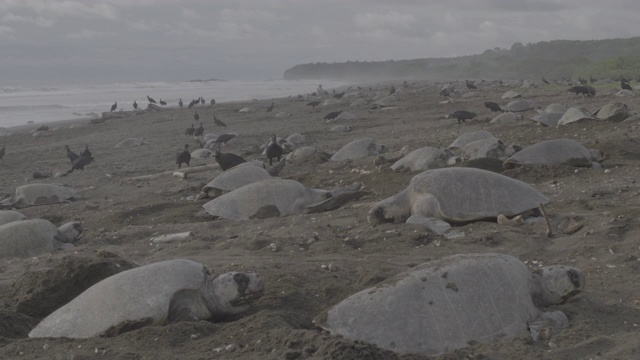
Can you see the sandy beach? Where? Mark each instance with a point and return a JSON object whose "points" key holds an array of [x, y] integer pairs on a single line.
{"points": [[310, 262]]}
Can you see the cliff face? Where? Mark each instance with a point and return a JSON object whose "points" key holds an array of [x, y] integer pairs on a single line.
{"points": [[552, 59]]}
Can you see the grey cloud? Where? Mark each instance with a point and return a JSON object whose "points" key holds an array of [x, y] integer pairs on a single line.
{"points": [[160, 39]]}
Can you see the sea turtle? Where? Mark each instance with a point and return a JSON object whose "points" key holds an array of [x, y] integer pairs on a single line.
{"points": [[301, 154], [510, 94], [358, 102], [7, 216], [39, 194], [452, 302], [425, 158], [202, 154], [234, 178], [33, 237], [556, 108], [344, 116], [458, 195], [505, 118], [615, 112], [556, 151], [575, 114], [341, 128], [274, 197], [129, 143], [520, 105], [358, 149], [296, 139], [548, 119], [163, 292], [470, 136], [487, 149]]}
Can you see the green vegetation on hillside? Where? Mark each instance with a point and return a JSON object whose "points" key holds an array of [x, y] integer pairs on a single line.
{"points": [[551, 59]]}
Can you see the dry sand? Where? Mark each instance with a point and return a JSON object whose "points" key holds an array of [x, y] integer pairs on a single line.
{"points": [[322, 258]]}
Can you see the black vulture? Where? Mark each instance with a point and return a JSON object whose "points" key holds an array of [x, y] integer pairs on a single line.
{"points": [[70, 154], [332, 115], [227, 161], [492, 106], [313, 103], [180, 103], [625, 85], [184, 156], [274, 150], [199, 131], [163, 103], [191, 130], [462, 115], [85, 152], [196, 116], [151, 100], [270, 108], [219, 122], [135, 105], [114, 106]]}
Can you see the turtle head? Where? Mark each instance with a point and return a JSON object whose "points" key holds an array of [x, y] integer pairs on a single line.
{"points": [[391, 209], [232, 293], [70, 232], [559, 283]]}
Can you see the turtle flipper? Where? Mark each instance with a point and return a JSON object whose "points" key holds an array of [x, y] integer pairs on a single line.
{"points": [[548, 323], [336, 201]]}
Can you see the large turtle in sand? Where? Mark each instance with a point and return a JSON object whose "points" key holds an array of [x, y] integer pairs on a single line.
{"points": [[425, 158], [129, 143], [520, 105], [163, 292], [278, 197], [26, 238], [575, 114], [39, 194], [357, 149], [556, 151], [470, 136], [458, 195], [234, 178], [7, 216], [450, 303]]}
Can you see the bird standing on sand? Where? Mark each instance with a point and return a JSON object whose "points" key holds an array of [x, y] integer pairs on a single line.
{"points": [[225, 138], [192, 103], [2, 152], [180, 103], [151, 100], [196, 116], [85, 152], [202, 100], [183, 156], [227, 161], [470, 86], [274, 150], [80, 163], [213, 101], [332, 115], [191, 130], [114, 106], [492, 106], [270, 108], [625, 85], [135, 105], [219, 122], [462, 115], [314, 103], [199, 131], [70, 154], [163, 103], [545, 80]]}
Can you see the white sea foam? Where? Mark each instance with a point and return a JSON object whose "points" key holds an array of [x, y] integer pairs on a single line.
{"points": [[43, 103]]}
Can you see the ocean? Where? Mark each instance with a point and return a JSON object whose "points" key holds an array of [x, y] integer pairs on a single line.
{"points": [[38, 103]]}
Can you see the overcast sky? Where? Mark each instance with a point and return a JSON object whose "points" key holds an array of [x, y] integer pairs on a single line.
{"points": [[154, 40]]}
